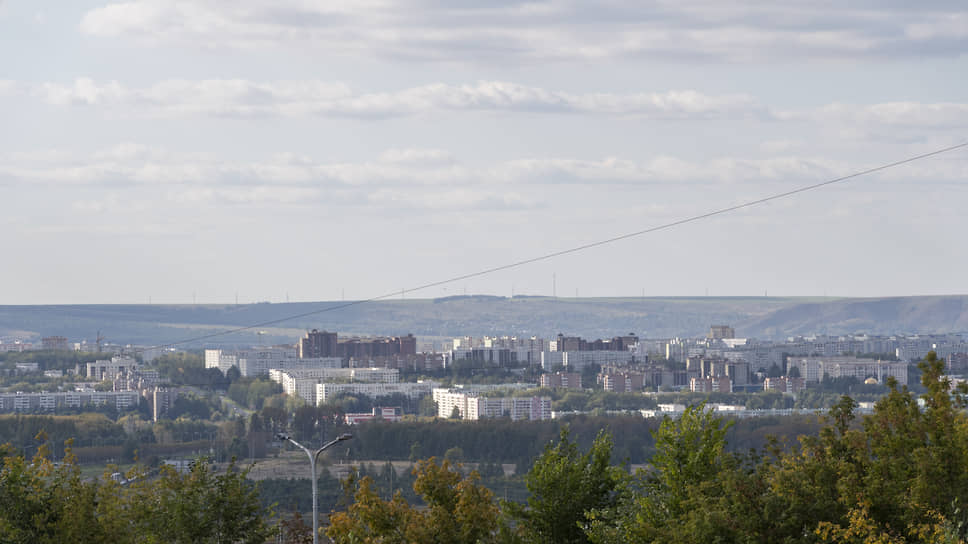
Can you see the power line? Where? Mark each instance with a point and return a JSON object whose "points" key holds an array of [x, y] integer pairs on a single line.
{"points": [[576, 249]]}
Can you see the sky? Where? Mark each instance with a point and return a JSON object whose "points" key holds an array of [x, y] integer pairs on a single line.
{"points": [[170, 151]]}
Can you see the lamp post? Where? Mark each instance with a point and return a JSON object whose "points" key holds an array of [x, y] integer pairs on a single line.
{"points": [[313, 456]]}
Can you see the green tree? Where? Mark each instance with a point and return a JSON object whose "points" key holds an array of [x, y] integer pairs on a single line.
{"points": [[678, 500], [899, 476], [416, 452], [41, 502], [564, 485], [459, 510], [454, 455], [201, 506]]}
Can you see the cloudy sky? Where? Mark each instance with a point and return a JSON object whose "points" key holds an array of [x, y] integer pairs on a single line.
{"points": [[160, 149]]}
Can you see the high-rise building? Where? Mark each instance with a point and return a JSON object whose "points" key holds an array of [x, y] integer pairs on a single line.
{"points": [[813, 369], [54, 342], [567, 380], [318, 344], [719, 332], [720, 384], [116, 367], [377, 347], [622, 382]]}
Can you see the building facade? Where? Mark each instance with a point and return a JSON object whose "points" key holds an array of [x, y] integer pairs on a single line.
{"points": [[302, 382], [813, 369], [565, 380], [319, 344], [53, 401], [327, 391], [115, 368]]}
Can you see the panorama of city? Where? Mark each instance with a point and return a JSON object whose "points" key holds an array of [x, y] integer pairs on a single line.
{"points": [[512, 272], [488, 411]]}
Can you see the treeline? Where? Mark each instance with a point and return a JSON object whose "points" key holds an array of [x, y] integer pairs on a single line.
{"points": [[43, 502], [899, 475], [520, 442], [295, 494], [49, 359], [497, 440], [95, 437], [90, 429], [188, 368]]}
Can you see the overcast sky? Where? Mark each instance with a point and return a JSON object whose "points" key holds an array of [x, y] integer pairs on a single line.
{"points": [[159, 149]]}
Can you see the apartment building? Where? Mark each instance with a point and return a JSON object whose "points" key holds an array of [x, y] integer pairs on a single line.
{"points": [[302, 381], [326, 391], [622, 382], [813, 369], [257, 361], [447, 399], [52, 401], [721, 384], [565, 380], [115, 368], [784, 384], [516, 408], [318, 344]]}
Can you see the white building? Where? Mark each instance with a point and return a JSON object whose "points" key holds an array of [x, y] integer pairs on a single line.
{"points": [[466, 342], [15, 346], [517, 408], [813, 369], [464, 399], [117, 367], [383, 414], [471, 405], [326, 391], [302, 381], [51, 401], [257, 361], [222, 360], [576, 361], [551, 359], [485, 356]]}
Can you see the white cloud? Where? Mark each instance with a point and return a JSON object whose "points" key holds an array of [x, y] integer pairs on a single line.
{"points": [[665, 169], [417, 156], [82, 91], [9, 87], [296, 99], [241, 98], [901, 114], [780, 146], [548, 30], [461, 199], [422, 178]]}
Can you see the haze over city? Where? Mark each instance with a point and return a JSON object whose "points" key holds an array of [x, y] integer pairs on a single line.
{"points": [[187, 152]]}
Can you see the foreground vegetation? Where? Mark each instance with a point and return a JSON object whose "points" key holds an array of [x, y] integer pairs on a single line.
{"points": [[42, 502], [900, 475]]}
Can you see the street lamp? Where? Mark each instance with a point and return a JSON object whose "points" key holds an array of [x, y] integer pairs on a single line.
{"points": [[313, 455]]}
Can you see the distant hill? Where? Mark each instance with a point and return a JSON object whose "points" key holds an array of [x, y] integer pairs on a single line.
{"points": [[759, 317]]}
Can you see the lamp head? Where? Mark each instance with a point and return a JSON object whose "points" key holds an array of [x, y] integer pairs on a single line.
{"points": [[344, 436]]}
